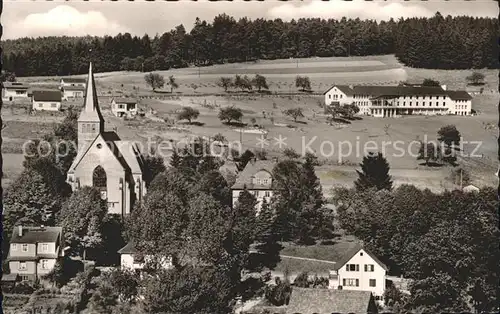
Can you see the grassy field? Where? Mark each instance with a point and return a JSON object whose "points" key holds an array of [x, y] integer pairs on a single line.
{"points": [[338, 165]]}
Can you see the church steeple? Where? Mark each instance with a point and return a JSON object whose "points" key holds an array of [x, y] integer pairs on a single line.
{"points": [[90, 122]]}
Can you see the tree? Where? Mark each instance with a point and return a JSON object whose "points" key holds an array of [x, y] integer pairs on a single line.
{"points": [[230, 114], [154, 80], [268, 237], [260, 82], [431, 82], [225, 82], [244, 159], [153, 165], [429, 152], [290, 153], [374, 173], [82, 219], [173, 84], [449, 135], [7, 76], [476, 78], [175, 159], [303, 83], [295, 113], [188, 113]]}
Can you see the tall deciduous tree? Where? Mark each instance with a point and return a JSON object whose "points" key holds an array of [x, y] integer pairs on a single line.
{"points": [[374, 173], [154, 80]]}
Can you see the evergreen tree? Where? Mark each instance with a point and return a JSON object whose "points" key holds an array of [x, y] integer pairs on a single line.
{"points": [[374, 173], [268, 237]]}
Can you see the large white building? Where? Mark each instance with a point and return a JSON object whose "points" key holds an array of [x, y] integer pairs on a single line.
{"points": [[46, 100], [395, 101], [359, 269]]}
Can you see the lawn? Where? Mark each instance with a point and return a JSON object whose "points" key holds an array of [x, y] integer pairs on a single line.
{"points": [[341, 147]]}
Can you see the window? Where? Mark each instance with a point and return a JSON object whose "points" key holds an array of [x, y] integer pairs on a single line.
{"points": [[373, 282], [444, 104], [22, 266], [369, 267], [350, 282], [45, 264], [361, 254], [24, 278], [352, 267], [267, 194], [93, 127], [53, 105], [25, 247], [45, 247], [13, 247], [329, 96], [40, 105]]}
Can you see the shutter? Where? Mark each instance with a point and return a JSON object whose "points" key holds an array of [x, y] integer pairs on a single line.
{"points": [[347, 267], [357, 282], [343, 282], [372, 267], [357, 267], [366, 267]]}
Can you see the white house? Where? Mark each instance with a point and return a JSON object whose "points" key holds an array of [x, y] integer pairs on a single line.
{"points": [[360, 270], [395, 101], [73, 92], [14, 90], [46, 100], [130, 259], [73, 82], [471, 188], [257, 179], [124, 107]]}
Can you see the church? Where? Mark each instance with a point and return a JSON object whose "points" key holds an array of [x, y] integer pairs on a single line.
{"points": [[104, 161]]}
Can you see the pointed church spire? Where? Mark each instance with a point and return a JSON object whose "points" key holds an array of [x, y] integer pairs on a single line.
{"points": [[90, 120]]}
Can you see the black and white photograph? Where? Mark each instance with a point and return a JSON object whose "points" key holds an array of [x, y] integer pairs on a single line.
{"points": [[250, 157]]}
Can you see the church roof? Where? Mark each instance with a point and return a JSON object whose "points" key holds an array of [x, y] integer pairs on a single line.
{"points": [[91, 111]]}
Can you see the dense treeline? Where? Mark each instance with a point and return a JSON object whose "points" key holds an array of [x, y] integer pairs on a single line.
{"points": [[437, 42]]}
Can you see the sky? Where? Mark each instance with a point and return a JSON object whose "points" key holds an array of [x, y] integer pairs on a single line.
{"points": [[23, 18]]}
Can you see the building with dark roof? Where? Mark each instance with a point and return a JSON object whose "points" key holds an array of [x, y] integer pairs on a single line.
{"points": [[14, 90], [257, 178], [34, 251], [395, 101], [105, 161], [360, 270], [49, 100], [121, 107], [327, 301]]}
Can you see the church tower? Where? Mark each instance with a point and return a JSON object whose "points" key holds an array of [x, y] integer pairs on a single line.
{"points": [[90, 121]]}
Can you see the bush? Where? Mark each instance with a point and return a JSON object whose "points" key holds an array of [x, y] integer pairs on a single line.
{"points": [[23, 288], [279, 294]]}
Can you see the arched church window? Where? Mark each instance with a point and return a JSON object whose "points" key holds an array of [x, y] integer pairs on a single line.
{"points": [[99, 180]]}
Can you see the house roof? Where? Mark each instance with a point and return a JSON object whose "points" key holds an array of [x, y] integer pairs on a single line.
{"points": [[15, 85], [74, 80], [346, 89], [9, 277], [459, 95], [74, 88], [129, 248], [245, 177], [327, 301], [353, 251], [36, 235], [47, 95], [123, 100]]}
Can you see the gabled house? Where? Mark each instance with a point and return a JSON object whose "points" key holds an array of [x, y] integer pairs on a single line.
{"points": [[73, 92], [121, 107], [14, 90], [257, 179], [46, 100], [132, 260], [326, 301], [34, 251], [73, 82], [360, 270]]}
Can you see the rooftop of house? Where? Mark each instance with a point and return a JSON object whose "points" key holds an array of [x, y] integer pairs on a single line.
{"points": [[47, 95], [327, 301], [74, 80], [74, 88], [408, 90], [244, 178], [34, 235], [15, 85], [124, 100], [353, 251]]}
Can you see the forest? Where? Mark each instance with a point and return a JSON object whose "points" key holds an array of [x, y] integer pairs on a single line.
{"points": [[437, 43]]}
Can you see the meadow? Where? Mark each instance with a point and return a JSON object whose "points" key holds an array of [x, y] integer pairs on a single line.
{"points": [[198, 89]]}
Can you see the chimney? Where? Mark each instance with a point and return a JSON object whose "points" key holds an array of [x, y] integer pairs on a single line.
{"points": [[443, 87], [20, 228]]}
